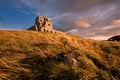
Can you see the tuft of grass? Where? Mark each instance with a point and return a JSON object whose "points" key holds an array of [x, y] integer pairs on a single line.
{"points": [[24, 46]]}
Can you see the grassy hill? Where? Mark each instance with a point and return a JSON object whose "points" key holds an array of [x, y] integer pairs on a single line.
{"points": [[29, 55]]}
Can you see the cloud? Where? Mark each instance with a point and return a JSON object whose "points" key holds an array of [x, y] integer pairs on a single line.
{"points": [[65, 6], [29, 3], [67, 22], [77, 5], [82, 24], [99, 33], [94, 12], [37, 7], [98, 14], [99, 37], [116, 22], [94, 34]]}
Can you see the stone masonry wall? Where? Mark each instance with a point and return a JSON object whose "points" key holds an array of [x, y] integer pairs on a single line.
{"points": [[42, 24]]}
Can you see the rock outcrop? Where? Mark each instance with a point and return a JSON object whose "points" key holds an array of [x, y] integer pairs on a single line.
{"points": [[114, 38], [42, 24], [70, 59]]}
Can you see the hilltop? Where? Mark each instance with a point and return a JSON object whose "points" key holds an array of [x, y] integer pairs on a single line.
{"points": [[30, 55], [114, 38]]}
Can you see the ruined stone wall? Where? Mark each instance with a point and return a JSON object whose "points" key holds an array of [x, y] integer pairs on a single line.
{"points": [[42, 24], [48, 25]]}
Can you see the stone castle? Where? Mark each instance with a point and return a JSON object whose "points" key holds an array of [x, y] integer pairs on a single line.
{"points": [[42, 24]]}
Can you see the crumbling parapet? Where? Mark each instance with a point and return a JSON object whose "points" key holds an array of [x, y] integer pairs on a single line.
{"points": [[42, 24]]}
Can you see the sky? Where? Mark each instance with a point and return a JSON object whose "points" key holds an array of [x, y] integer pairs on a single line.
{"points": [[94, 19]]}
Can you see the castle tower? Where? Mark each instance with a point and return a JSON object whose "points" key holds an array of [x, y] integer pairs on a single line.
{"points": [[42, 24]]}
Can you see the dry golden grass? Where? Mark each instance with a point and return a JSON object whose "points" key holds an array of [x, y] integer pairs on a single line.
{"points": [[29, 55]]}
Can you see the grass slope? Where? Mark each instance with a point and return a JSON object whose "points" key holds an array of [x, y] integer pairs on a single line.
{"points": [[29, 55]]}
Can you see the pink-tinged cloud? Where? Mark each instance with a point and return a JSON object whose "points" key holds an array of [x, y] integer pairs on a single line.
{"points": [[82, 24], [99, 33], [116, 22], [99, 37]]}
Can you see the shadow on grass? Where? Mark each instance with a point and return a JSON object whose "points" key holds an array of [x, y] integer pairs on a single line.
{"points": [[47, 68]]}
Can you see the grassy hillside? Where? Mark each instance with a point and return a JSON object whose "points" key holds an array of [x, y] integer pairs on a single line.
{"points": [[28, 55]]}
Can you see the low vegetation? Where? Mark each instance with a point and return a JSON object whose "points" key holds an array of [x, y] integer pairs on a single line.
{"points": [[29, 55], [114, 38]]}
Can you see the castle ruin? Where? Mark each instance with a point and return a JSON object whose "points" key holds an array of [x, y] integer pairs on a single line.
{"points": [[42, 24]]}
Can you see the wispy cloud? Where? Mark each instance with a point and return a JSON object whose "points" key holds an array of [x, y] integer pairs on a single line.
{"points": [[82, 24], [101, 33], [116, 22], [94, 12], [99, 37], [29, 3]]}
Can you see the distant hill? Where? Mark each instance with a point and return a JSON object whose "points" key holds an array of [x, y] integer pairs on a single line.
{"points": [[114, 38], [30, 55]]}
